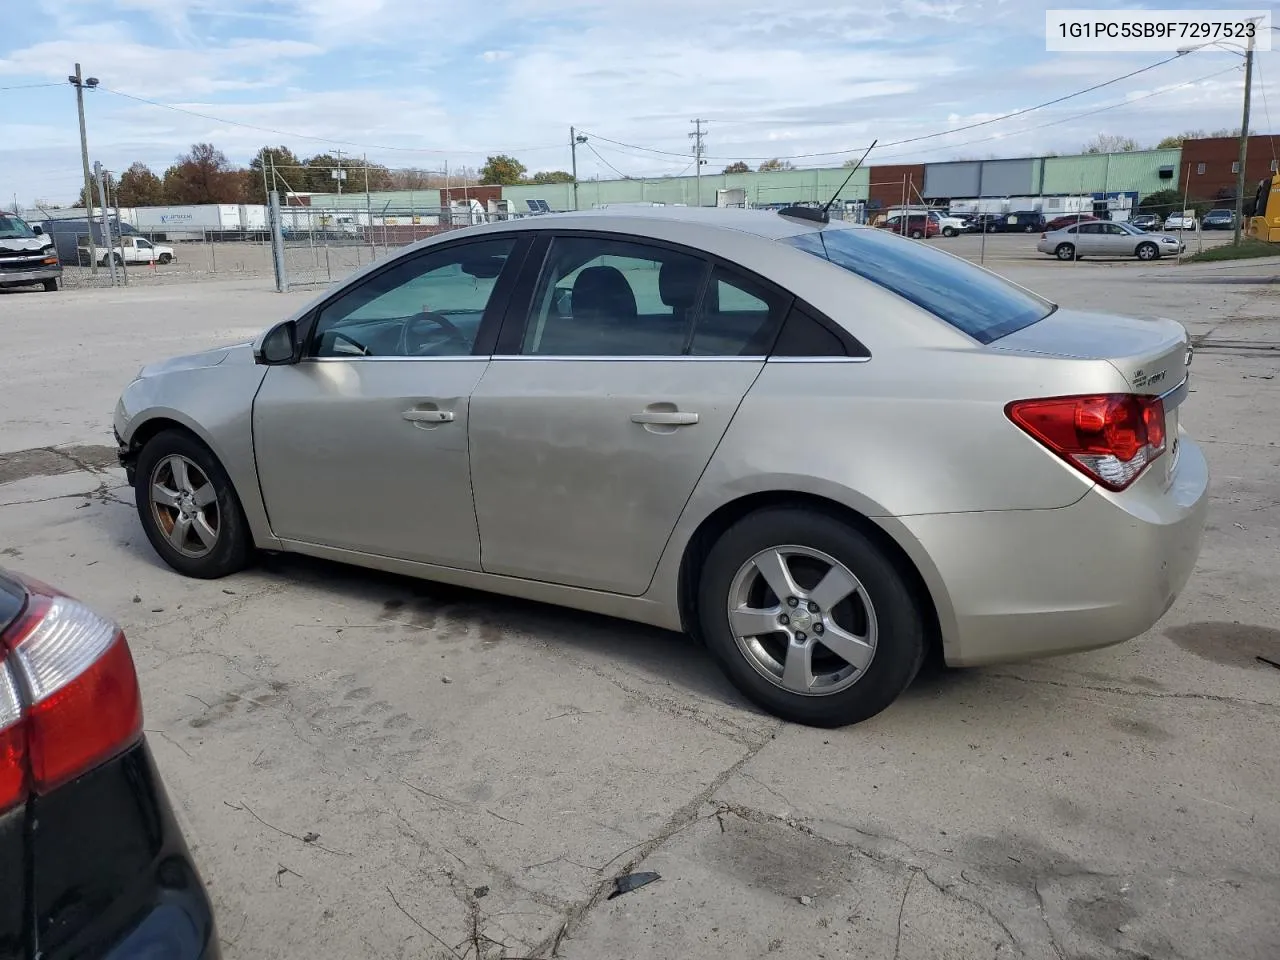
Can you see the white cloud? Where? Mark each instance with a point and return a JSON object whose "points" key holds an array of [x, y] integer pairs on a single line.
{"points": [[493, 56]]}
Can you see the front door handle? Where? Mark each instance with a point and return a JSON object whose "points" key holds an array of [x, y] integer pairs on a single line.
{"points": [[665, 418], [428, 416]]}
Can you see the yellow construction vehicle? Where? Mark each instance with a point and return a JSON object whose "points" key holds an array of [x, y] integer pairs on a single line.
{"points": [[1265, 222]]}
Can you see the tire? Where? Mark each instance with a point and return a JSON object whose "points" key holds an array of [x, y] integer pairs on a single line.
{"points": [[1028, 229], [117, 258], [51, 286], [949, 231], [881, 609], [1065, 251], [1148, 251], [165, 258], [916, 235], [232, 546]]}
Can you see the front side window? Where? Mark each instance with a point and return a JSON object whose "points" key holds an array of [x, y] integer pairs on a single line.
{"points": [[429, 305], [143, 244], [601, 297], [973, 300]]}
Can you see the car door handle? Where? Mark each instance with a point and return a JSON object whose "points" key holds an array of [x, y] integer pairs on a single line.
{"points": [[665, 418], [428, 416]]}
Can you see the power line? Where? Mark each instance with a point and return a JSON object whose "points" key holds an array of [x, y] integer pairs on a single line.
{"points": [[304, 136], [927, 136], [31, 86], [608, 164]]}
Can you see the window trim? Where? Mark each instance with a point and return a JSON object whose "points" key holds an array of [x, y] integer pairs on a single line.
{"points": [[519, 308], [486, 334]]}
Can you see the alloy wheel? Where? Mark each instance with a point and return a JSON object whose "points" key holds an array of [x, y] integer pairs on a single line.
{"points": [[802, 620], [184, 505]]}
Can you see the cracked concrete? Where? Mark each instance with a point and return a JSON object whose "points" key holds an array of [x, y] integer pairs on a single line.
{"points": [[1116, 804]]}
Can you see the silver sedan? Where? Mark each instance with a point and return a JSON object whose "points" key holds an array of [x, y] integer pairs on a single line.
{"points": [[1103, 238], [823, 449]]}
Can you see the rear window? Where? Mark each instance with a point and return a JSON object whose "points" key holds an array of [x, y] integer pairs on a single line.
{"points": [[12, 599], [970, 299]]}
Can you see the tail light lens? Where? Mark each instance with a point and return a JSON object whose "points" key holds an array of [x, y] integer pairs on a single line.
{"points": [[69, 696], [1110, 437]]}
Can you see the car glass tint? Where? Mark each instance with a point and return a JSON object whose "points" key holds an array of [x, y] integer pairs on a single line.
{"points": [[738, 317], [429, 305], [973, 300], [614, 298]]}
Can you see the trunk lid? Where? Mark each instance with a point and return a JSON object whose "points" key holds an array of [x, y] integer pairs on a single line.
{"points": [[1152, 354]]}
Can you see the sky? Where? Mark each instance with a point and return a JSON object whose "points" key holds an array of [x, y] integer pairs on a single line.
{"points": [[425, 83]]}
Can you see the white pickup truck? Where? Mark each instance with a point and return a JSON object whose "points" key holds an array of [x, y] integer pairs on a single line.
{"points": [[135, 250]]}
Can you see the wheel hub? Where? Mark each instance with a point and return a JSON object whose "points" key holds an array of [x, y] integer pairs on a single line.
{"points": [[801, 619]]}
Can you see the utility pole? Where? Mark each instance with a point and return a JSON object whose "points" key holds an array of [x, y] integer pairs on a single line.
{"points": [[1244, 139], [339, 173], [575, 138], [78, 81], [696, 137]]}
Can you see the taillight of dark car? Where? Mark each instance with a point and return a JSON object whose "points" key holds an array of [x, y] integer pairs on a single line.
{"points": [[69, 695], [1110, 438]]}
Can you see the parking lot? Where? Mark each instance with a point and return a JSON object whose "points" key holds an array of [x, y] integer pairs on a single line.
{"points": [[367, 765]]}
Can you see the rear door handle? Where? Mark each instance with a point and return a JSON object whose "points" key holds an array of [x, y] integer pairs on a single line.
{"points": [[666, 418], [428, 416]]}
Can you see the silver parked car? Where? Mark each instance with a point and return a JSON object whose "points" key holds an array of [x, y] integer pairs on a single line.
{"points": [[822, 448], [1104, 238]]}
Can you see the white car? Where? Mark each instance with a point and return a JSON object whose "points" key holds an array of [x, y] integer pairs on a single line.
{"points": [[1180, 222], [140, 250], [951, 226]]}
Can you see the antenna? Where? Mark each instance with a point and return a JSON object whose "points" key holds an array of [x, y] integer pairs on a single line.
{"points": [[850, 176]]}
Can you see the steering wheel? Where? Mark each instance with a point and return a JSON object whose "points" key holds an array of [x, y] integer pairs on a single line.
{"points": [[339, 335], [440, 322]]}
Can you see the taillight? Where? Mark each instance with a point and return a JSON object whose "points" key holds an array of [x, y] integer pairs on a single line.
{"points": [[72, 697], [1110, 437]]}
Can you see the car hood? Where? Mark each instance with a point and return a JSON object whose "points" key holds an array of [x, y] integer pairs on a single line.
{"points": [[24, 244], [235, 353]]}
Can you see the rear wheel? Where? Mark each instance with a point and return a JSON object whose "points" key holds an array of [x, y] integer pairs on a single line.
{"points": [[1148, 251], [809, 618], [189, 509], [916, 234], [51, 286], [1028, 229], [1065, 251]]}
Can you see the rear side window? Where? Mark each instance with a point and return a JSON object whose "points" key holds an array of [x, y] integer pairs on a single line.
{"points": [[970, 299]]}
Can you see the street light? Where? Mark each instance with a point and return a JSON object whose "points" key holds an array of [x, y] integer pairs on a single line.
{"points": [[1244, 120]]}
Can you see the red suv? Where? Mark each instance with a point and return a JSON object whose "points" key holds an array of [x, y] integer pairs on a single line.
{"points": [[1069, 220], [916, 225]]}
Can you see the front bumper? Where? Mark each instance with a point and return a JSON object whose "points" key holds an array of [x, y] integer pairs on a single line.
{"points": [[37, 275], [1034, 583]]}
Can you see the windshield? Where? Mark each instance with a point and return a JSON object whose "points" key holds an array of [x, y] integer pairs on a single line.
{"points": [[14, 228], [972, 300]]}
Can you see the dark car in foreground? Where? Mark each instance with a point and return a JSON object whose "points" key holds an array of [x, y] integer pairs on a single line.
{"points": [[1223, 218], [92, 863]]}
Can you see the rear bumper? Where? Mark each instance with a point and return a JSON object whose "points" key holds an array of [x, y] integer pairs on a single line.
{"points": [[38, 275], [112, 877], [1033, 583]]}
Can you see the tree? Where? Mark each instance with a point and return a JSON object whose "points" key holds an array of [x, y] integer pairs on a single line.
{"points": [[1110, 143], [738, 166], [203, 176], [110, 182], [139, 187], [282, 159], [1162, 202], [1177, 139], [552, 176], [771, 166], [502, 169]]}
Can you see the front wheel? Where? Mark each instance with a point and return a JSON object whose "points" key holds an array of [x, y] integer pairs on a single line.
{"points": [[189, 509], [949, 231], [809, 618], [165, 258], [1148, 251], [1065, 251], [916, 235], [1028, 229], [51, 286]]}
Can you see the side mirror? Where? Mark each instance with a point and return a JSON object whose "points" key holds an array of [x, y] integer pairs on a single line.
{"points": [[278, 346], [37, 230]]}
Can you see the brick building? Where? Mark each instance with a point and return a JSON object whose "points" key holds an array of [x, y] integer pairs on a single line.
{"points": [[1209, 167], [893, 183]]}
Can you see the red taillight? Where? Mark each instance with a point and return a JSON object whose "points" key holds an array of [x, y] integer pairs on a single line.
{"points": [[74, 696], [1110, 437]]}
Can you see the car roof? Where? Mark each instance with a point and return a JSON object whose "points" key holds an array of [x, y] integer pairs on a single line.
{"points": [[767, 224]]}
